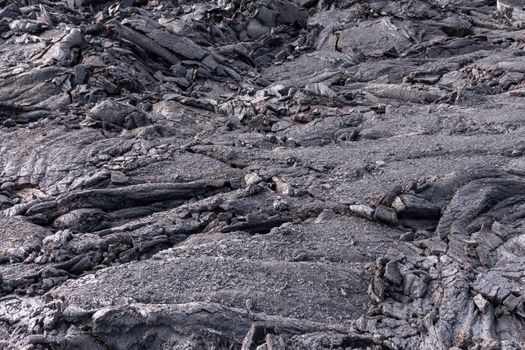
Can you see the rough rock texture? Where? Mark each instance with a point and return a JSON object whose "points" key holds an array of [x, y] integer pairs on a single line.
{"points": [[256, 175]]}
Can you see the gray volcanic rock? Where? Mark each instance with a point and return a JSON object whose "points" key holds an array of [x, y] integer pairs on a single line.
{"points": [[256, 175]]}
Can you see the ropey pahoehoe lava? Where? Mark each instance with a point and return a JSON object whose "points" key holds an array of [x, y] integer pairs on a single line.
{"points": [[262, 175]]}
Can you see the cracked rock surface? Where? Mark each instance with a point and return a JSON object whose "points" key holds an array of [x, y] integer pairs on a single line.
{"points": [[257, 175]]}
